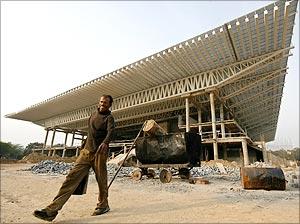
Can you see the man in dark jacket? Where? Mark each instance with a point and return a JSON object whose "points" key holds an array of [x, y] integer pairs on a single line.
{"points": [[94, 154]]}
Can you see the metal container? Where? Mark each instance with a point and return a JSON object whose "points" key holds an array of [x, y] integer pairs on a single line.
{"points": [[262, 178], [176, 148]]}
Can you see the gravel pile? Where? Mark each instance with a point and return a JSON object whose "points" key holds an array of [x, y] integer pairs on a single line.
{"points": [[233, 173], [51, 167]]}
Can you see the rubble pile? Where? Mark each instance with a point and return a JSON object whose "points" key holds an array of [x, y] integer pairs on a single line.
{"points": [[124, 172], [261, 165], [206, 169], [212, 169], [51, 167]]}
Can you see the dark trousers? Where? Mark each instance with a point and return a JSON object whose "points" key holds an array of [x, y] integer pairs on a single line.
{"points": [[85, 161]]}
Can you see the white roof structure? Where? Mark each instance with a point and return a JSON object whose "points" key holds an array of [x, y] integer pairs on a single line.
{"points": [[244, 61]]}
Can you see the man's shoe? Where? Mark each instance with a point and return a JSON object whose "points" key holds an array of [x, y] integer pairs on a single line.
{"points": [[43, 214], [100, 211]]}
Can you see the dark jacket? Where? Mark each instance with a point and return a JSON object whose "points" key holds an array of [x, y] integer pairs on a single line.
{"points": [[101, 128]]}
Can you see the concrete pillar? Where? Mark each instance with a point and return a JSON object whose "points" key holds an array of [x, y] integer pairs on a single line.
{"points": [[54, 152], [187, 115], [125, 149], [264, 149], [64, 150], [222, 120], [52, 141], [245, 152], [199, 121], [45, 142], [66, 138], [73, 138], [53, 136], [213, 124], [77, 151]]}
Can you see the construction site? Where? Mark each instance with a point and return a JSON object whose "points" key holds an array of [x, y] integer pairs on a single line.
{"points": [[196, 115], [225, 84]]}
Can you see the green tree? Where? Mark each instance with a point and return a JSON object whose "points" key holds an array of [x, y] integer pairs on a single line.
{"points": [[31, 146], [11, 151]]}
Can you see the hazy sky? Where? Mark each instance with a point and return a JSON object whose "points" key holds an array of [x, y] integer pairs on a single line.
{"points": [[50, 47]]}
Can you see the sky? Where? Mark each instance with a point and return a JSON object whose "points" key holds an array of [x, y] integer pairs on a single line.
{"points": [[48, 47]]}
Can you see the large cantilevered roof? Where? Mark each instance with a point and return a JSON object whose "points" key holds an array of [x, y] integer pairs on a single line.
{"points": [[244, 60]]}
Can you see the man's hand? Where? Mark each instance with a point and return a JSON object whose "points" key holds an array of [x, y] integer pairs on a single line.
{"points": [[103, 148]]}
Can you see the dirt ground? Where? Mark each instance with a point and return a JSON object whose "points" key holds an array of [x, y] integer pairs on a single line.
{"points": [[146, 201]]}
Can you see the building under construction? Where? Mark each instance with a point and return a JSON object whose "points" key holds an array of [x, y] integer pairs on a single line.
{"points": [[225, 84]]}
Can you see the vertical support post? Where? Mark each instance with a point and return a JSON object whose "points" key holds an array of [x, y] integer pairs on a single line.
{"points": [[53, 136], [199, 121], [66, 138], [187, 115], [77, 151], [45, 142], [64, 152], [65, 149], [264, 148], [222, 120], [73, 138], [213, 124], [245, 152], [52, 141]]}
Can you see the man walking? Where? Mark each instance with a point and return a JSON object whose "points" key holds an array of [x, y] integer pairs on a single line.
{"points": [[94, 154]]}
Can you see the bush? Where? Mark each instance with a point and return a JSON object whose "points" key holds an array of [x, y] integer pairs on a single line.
{"points": [[11, 151]]}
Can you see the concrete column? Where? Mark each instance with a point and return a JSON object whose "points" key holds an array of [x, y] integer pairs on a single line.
{"points": [[45, 142], [54, 151], [51, 146], [53, 136], [77, 151], [213, 124], [199, 121], [73, 138], [222, 120], [245, 152], [264, 148], [187, 115], [66, 138], [64, 150]]}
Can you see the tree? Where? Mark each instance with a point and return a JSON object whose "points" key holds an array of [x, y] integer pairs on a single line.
{"points": [[11, 151], [30, 146]]}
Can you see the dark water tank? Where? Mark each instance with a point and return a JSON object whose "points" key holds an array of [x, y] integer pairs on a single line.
{"points": [[173, 148]]}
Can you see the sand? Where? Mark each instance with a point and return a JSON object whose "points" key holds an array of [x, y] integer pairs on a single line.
{"points": [[146, 201]]}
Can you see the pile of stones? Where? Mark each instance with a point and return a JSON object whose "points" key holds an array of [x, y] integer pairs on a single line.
{"points": [[51, 167], [233, 173]]}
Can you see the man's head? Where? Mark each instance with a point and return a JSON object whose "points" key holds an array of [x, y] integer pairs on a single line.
{"points": [[105, 103]]}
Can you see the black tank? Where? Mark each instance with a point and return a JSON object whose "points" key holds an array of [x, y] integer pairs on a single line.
{"points": [[173, 148]]}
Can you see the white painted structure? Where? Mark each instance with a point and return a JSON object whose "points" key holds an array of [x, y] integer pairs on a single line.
{"points": [[233, 75]]}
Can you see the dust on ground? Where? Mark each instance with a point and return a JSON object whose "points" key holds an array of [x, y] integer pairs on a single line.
{"points": [[223, 200]]}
